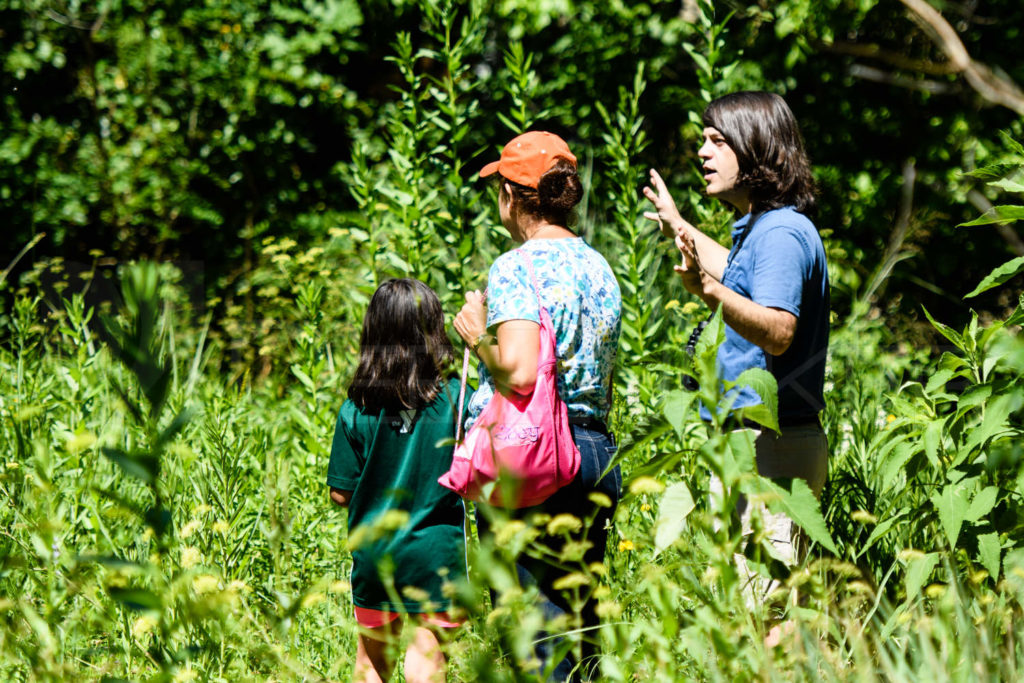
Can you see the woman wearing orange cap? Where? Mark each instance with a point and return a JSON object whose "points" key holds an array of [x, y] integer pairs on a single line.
{"points": [[538, 190]]}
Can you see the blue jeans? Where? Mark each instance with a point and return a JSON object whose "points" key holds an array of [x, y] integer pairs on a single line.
{"points": [[596, 451]]}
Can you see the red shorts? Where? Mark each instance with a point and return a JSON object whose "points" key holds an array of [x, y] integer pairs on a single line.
{"points": [[375, 618]]}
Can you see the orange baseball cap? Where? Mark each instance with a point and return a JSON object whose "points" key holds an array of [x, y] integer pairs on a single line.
{"points": [[529, 156]]}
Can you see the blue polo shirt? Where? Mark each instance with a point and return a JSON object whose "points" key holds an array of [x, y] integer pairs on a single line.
{"points": [[780, 263]]}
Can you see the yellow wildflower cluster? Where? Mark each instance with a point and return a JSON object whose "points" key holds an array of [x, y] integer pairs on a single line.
{"points": [[77, 443], [690, 307], [190, 528], [190, 557], [205, 583], [143, 626], [185, 675]]}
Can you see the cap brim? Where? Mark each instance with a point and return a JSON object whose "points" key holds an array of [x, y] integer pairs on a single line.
{"points": [[489, 169]]}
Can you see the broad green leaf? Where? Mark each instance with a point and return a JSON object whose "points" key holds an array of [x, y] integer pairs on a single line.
{"points": [[1000, 275], [1007, 185], [997, 214], [892, 474], [176, 425], [676, 505], [113, 562], [136, 598], [951, 505], [946, 331], [894, 621], [938, 379], [1013, 563], [763, 383], [677, 409], [879, 531], [996, 420], [140, 467], [989, 551], [1014, 146], [992, 172], [918, 571], [740, 453], [951, 361], [303, 377], [803, 508], [982, 503], [933, 439], [972, 397]]}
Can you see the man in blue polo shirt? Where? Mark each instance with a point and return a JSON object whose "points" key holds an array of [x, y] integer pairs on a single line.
{"points": [[772, 285]]}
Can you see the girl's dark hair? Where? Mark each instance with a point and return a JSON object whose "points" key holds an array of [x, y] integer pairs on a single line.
{"points": [[404, 353], [762, 131], [558, 192]]}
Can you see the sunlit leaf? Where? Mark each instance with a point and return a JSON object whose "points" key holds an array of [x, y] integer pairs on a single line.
{"points": [[951, 505], [946, 331], [1000, 275], [677, 409], [918, 571], [992, 172], [982, 504], [136, 598], [800, 505], [764, 384], [138, 466], [997, 214], [989, 550], [676, 505]]}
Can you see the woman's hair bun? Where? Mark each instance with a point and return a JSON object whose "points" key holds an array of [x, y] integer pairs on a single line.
{"points": [[559, 189]]}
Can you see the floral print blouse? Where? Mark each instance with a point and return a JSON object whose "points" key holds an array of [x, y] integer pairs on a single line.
{"points": [[580, 293]]}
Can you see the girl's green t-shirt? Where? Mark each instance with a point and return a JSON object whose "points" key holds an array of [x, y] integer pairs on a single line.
{"points": [[406, 531]]}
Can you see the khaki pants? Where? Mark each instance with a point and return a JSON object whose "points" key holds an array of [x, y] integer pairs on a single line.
{"points": [[799, 452]]}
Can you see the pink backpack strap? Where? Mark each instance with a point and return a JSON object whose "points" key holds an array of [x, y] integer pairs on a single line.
{"points": [[462, 395], [465, 354]]}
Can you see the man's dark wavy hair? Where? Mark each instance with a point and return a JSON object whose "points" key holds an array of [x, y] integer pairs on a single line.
{"points": [[762, 131], [404, 353]]}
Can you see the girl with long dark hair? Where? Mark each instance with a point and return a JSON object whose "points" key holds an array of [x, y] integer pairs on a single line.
{"points": [[406, 532]]}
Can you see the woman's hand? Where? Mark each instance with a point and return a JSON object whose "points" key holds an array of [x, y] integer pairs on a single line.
{"points": [[471, 321], [511, 355], [666, 214]]}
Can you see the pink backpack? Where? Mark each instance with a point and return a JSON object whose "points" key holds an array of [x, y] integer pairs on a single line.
{"points": [[523, 443]]}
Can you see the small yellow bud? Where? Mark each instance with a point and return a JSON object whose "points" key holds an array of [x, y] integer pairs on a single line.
{"points": [[608, 609], [312, 600], [863, 517], [564, 523], [569, 581]]}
